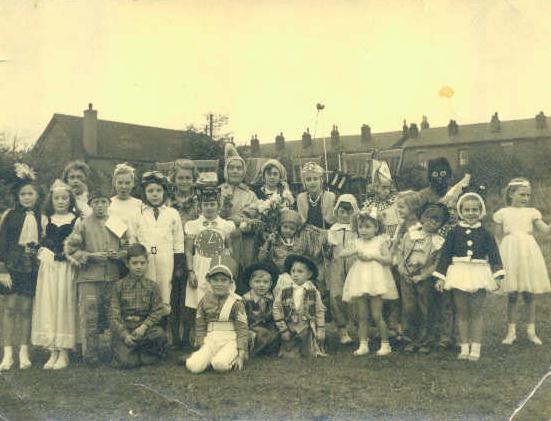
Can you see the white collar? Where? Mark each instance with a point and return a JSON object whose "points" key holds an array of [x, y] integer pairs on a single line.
{"points": [[463, 224]]}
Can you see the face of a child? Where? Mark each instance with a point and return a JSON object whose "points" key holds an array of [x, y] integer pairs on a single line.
{"points": [[236, 172], [300, 273], [288, 230], [61, 200], [344, 213], [367, 230], [76, 179], [312, 184], [430, 223], [260, 282], [220, 284], [183, 179], [272, 177], [383, 191], [210, 209], [402, 210], [100, 207], [520, 197], [155, 194], [137, 265], [471, 211], [28, 196], [124, 183]]}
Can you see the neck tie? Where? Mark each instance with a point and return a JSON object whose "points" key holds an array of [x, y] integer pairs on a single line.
{"points": [[156, 213]]}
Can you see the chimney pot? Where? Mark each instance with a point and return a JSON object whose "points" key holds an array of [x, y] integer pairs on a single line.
{"points": [[90, 131], [453, 128], [366, 133], [541, 120], [495, 124], [413, 131], [424, 123]]}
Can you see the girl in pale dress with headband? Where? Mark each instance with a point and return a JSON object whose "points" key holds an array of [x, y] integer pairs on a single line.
{"points": [[526, 272]]}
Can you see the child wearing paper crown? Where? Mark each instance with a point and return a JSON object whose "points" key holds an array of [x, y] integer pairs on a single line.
{"points": [[369, 280], [341, 237], [298, 311], [95, 246], [159, 229], [20, 233], [469, 266], [522, 257], [54, 310], [221, 324], [259, 302]]}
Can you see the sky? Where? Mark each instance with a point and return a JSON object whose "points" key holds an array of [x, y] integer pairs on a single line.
{"points": [[266, 64]]}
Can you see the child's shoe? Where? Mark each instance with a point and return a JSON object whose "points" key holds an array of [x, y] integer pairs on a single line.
{"points": [[511, 335], [531, 333], [7, 361], [344, 337], [410, 348], [52, 360], [475, 352], [62, 361], [363, 349], [24, 361], [464, 353], [385, 349]]}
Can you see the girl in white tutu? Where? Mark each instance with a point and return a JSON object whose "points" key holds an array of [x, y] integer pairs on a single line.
{"points": [[522, 257], [54, 311], [469, 265], [369, 280]]}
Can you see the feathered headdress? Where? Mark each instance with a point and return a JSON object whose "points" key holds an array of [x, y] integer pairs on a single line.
{"points": [[21, 176]]}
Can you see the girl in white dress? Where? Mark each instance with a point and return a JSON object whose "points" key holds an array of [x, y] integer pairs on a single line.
{"points": [[369, 280], [123, 205], [159, 229], [54, 310], [526, 272]]}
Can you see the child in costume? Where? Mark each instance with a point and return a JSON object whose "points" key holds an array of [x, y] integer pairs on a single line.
{"points": [[469, 265], [369, 280], [315, 205], [54, 310], [341, 237], [417, 258], [95, 246], [135, 314], [159, 229], [20, 234], [221, 323], [76, 174], [526, 272], [259, 302], [123, 205], [298, 311]]}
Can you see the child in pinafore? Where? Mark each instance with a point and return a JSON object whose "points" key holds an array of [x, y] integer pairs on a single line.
{"points": [[469, 266], [19, 236], [135, 314], [95, 246], [221, 323], [417, 258], [369, 280], [526, 272], [340, 237], [54, 310], [259, 302], [299, 312]]}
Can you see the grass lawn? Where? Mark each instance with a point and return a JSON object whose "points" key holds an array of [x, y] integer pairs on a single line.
{"points": [[398, 387]]}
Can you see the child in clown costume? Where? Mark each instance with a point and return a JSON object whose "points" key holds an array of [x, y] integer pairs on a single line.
{"points": [[159, 229]]}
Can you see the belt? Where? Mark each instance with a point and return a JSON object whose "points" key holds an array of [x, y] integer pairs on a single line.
{"points": [[468, 259], [220, 326]]}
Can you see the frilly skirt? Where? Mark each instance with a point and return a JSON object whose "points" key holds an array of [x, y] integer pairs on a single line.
{"points": [[470, 277]]}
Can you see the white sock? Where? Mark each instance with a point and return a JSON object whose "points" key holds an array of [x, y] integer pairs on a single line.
{"points": [[475, 348], [464, 348]]}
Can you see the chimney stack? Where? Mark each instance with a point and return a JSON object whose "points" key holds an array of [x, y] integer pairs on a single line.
{"points": [[541, 120], [413, 131], [90, 131], [453, 128], [335, 136], [366, 133], [280, 142], [495, 124], [424, 123], [255, 146], [306, 139]]}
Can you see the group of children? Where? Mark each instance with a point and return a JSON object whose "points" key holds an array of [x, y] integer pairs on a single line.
{"points": [[86, 263]]}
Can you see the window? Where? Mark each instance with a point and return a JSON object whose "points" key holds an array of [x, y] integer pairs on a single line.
{"points": [[463, 157], [422, 158]]}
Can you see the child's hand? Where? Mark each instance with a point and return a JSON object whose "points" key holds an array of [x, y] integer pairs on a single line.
{"points": [[129, 341], [5, 279], [417, 278], [192, 279], [286, 336], [240, 361], [139, 332], [439, 286]]}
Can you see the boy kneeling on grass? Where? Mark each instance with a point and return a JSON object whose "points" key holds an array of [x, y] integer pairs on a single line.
{"points": [[221, 327], [135, 314]]}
